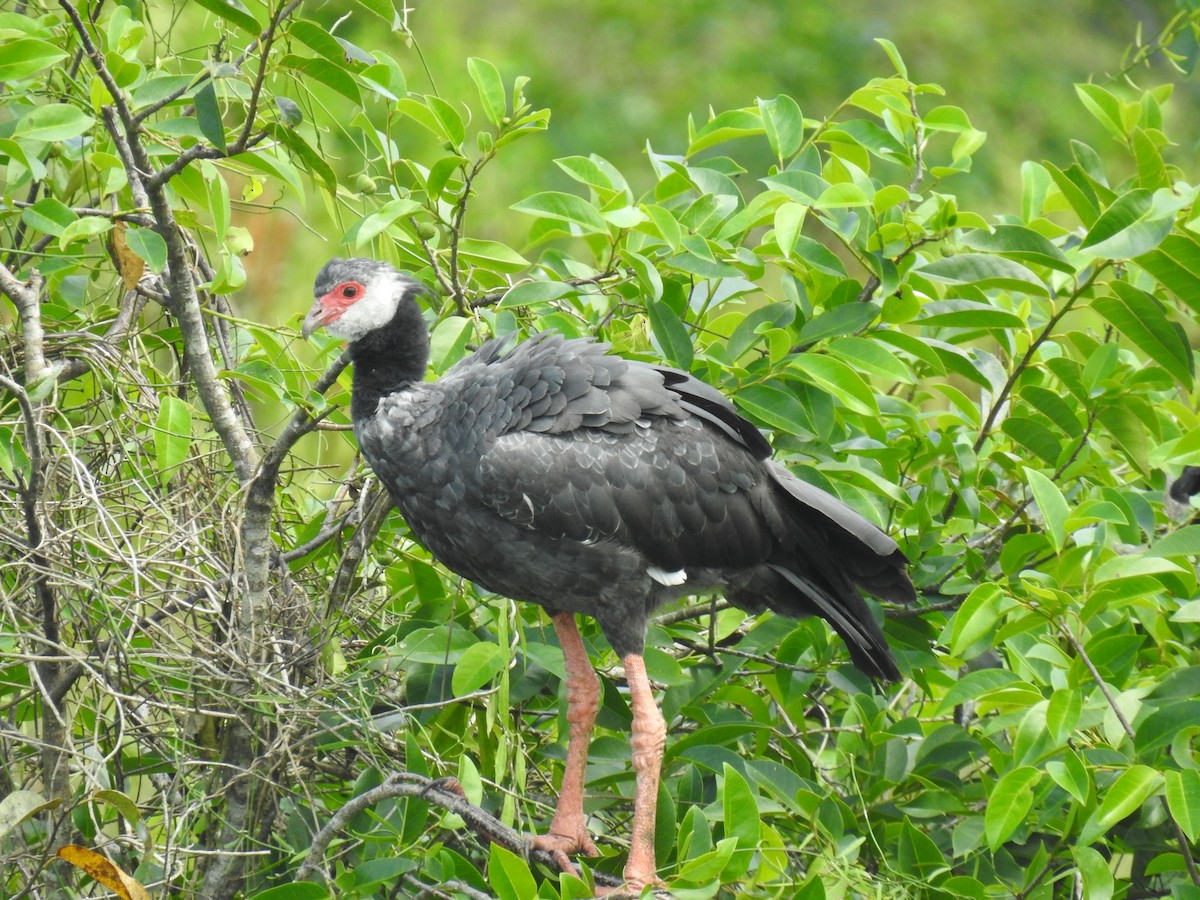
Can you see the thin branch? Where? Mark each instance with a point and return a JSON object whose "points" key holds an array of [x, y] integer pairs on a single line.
{"points": [[497, 296], [1001, 398], [101, 68], [184, 304], [1185, 847], [157, 105], [445, 794], [137, 217]]}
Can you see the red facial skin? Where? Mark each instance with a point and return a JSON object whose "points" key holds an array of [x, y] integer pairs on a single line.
{"points": [[339, 300]]}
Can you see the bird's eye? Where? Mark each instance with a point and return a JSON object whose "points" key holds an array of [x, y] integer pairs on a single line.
{"points": [[349, 291]]}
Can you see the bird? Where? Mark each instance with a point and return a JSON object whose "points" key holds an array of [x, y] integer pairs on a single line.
{"points": [[1179, 494], [556, 472]]}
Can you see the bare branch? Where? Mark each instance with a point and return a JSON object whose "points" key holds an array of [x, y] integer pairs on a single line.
{"points": [[27, 297], [445, 794]]}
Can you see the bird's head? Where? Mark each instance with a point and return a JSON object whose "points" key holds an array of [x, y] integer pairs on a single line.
{"points": [[353, 297]]}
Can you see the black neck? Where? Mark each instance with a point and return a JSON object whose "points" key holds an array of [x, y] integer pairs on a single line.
{"points": [[389, 359]]}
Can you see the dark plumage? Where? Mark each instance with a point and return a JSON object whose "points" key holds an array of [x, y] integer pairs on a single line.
{"points": [[1186, 485], [556, 473], [1180, 493]]}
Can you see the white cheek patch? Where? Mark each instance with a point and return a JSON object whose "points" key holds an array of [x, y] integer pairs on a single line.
{"points": [[374, 309]]}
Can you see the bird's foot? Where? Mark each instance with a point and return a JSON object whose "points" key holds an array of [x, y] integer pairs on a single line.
{"points": [[633, 889], [557, 842]]}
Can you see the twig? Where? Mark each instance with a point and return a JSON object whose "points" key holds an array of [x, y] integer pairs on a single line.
{"points": [[442, 794], [1185, 847], [497, 296], [1001, 398]]}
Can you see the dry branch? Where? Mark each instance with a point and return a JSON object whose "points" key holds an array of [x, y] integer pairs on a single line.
{"points": [[445, 794]]}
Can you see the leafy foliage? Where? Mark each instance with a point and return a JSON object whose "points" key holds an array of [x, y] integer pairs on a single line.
{"points": [[215, 639]]}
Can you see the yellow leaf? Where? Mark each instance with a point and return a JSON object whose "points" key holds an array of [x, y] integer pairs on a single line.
{"points": [[104, 871]]}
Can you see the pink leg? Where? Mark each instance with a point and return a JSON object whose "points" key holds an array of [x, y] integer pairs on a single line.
{"points": [[568, 829], [648, 741]]}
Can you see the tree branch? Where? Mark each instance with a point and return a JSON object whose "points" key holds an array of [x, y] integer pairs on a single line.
{"points": [[445, 794], [27, 298]]}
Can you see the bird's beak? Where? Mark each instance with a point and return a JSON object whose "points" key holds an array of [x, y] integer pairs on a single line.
{"points": [[314, 320]]}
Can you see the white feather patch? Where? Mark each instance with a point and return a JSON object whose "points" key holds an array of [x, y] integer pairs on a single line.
{"points": [[373, 310], [662, 576]]}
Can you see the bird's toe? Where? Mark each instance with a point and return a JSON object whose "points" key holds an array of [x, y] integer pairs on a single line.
{"points": [[556, 843]]}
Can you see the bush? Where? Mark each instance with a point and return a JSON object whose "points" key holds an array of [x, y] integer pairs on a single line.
{"points": [[226, 667]]}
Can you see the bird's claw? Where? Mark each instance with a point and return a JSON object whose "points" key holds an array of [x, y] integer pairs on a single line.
{"points": [[562, 844]]}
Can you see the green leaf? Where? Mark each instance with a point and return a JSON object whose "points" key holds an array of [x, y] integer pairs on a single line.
{"points": [[332, 75], [894, 55], [1182, 542], [1062, 714], [845, 319], [490, 87], [148, 245], [119, 801], [844, 195], [1122, 797], [476, 667], [53, 122], [1052, 505], [18, 806], [1183, 799], [739, 809], [304, 890], [784, 125], [777, 408], [1130, 227], [172, 436], [789, 219], [670, 332], [1078, 190], [1105, 107], [975, 685], [208, 115], [533, 293], [586, 170], [317, 39], [384, 9], [838, 379], [26, 156], [1035, 436], [1070, 774], [368, 228], [234, 12], [959, 313], [452, 125], [873, 357], [564, 208], [491, 255], [1008, 804], [976, 618], [1019, 243], [985, 271], [448, 342], [84, 230], [1142, 319], [1176, 264], [1159, 728], [49, 215], [735, 123], [1098, 881], [509, 875], [1129, 432], [24, 56]]}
